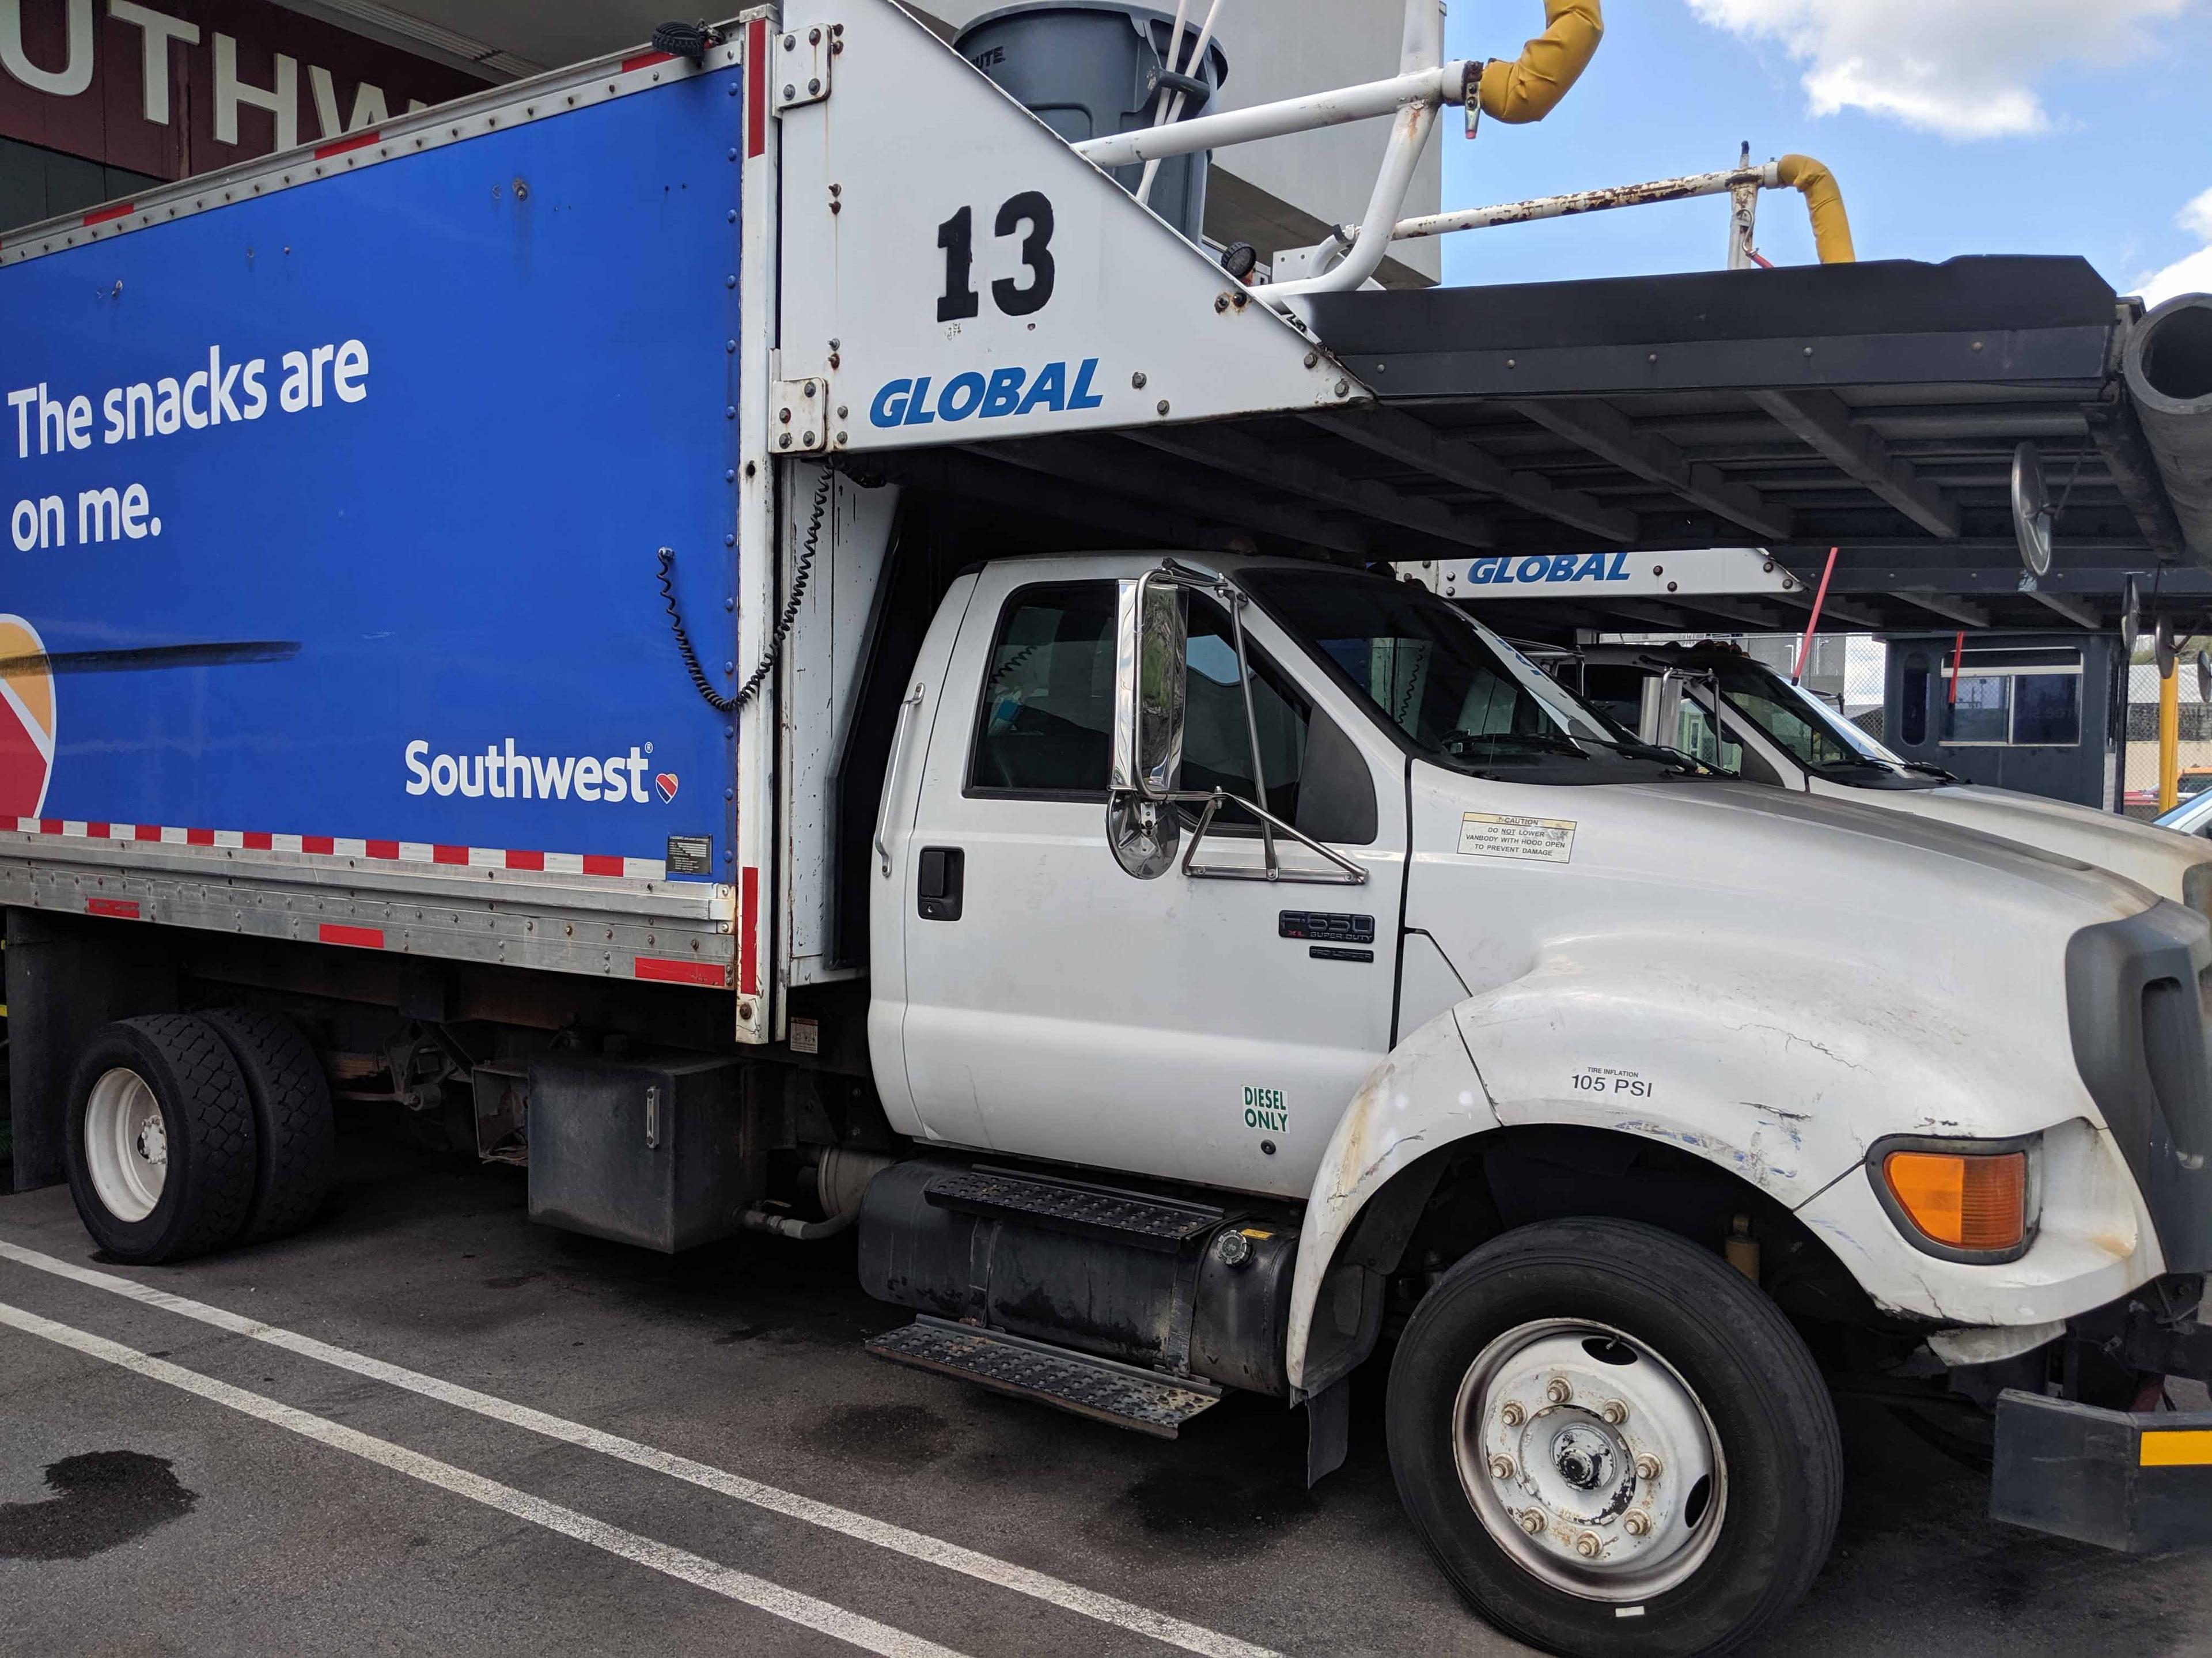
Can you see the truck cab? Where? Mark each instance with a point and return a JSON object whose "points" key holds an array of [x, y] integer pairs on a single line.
{"points": [[1778, 733], [1288, 909]]}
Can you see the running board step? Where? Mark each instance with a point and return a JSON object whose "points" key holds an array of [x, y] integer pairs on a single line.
{"points": [[1128, 1218], [1097, 1388]]}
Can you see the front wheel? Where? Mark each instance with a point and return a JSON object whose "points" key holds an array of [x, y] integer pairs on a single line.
{"points": [[1612, 1442]]}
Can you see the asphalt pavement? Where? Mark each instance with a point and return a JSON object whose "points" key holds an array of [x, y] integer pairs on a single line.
{"points": [[427, 1425]]}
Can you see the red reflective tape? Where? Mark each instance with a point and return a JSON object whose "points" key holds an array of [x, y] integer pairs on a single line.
{"points": [[322, 843], [681, 973], [599, 863], [97, 831], [339, 146], [101, 215], [120, 909], [381, 848], [362, 938], [449, 854], [146, 832], [756, 86], [50, 826], [525, 860], [256, 840], [747, 925], [644, 60], [199, 837]]}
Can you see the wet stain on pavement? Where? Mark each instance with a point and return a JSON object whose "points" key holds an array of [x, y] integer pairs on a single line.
{"points": [[101, 1498], [1231, 1509], [736, 1333], [886, 1435]]}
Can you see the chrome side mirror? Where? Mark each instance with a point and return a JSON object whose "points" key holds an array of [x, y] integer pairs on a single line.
{"points": [[1152, 630]]}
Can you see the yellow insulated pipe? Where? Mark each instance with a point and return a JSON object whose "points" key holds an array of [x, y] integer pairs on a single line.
{"points": [[1530, 87], [2169, 741], [1832, 226]]}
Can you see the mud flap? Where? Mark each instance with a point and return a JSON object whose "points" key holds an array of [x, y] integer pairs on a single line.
{"points": [[1328, 1430], [2140, 1483]]}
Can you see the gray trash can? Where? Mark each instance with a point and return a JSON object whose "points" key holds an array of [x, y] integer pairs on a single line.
{"points": [[1088, 68]]}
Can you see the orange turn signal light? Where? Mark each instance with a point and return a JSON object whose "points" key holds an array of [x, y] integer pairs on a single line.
{"points": [[1965, 1201]]}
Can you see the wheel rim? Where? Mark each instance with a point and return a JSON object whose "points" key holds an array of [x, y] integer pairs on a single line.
{"points": [[126, 1145], [1589, 1460]]}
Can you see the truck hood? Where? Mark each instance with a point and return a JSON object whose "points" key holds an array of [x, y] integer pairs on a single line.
{"points": [[2152, 857], [1851, 966]]}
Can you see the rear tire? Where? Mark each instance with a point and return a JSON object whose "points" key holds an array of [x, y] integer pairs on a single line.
{"points": [[1540, 1380], [161, 1152], [292, 1120]]}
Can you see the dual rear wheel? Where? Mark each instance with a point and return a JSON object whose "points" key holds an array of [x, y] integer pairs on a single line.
{"points": [[189, 1133]]}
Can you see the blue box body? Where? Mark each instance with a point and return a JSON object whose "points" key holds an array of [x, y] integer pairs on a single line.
{"points": [[450, 545]]}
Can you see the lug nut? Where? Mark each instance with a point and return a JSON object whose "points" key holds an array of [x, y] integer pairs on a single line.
{"points": [[1533, 1523], [1614, 1411], [1501, 1467], [1586, 1545], [1647, 1467], [1558, 1391], [1637, 1524], [1511, 1415]]}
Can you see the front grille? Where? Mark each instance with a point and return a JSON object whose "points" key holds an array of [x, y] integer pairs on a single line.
{"points": [[2139, 1001]]}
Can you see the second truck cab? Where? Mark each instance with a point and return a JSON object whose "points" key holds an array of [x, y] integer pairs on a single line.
{"points": [[1775, 732]]}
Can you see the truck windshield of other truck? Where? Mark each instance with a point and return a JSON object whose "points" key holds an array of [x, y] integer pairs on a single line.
{"points": [[1810, 732], [1446, 687]]}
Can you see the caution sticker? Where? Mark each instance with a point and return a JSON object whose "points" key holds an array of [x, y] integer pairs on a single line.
{"points": [[1538, 840]]}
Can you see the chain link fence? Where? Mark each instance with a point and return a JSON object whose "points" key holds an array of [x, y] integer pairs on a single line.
{"points": [[2140, 791]]}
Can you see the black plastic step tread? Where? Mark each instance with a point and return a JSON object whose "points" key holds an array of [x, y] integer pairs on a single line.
{"points": [[1095, 1387], [1141, 1220]]}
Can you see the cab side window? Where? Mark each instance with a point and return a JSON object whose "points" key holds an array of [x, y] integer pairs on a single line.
{"points": [[1045, 728]]}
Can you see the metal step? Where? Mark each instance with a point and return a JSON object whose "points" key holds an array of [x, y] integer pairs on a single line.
{"points": [[1131, 1218], [1097, 1388]]}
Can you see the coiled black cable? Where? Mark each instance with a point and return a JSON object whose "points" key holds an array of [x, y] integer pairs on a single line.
{"points": [[782, 631]]}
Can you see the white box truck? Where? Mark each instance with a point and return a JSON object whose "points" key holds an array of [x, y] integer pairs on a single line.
{"points": [[525, 614]]}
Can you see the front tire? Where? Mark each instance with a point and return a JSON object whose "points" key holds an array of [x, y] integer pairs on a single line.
{"points": [[1612, 1442], [161, 1153]]}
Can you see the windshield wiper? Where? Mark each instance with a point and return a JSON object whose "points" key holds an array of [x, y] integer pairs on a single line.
{"points": [[1458, 743], [1925, 769]]}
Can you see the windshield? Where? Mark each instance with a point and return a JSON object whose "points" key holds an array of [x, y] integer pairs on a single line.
{"points": [[1813, 734], [1447, 686]]}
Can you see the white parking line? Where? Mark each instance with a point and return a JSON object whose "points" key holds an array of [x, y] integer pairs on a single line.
{"points": [[788, 1604], [919, 1545]]}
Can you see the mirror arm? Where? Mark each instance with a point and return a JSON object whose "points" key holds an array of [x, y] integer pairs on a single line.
{"points": [[1235, 603], [1352, 874]]}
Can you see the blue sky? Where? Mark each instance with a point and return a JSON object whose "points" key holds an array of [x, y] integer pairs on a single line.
{"points": [[1957, 126]]}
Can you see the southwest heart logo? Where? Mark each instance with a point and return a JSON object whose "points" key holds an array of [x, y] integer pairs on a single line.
{"points": [[27, 718], [663, 780]]}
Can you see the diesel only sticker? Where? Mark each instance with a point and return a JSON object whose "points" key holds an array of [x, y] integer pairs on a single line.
{"points": [[1536, 839]]}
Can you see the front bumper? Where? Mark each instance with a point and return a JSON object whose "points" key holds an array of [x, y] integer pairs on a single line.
{"points": [[2137, 1482]]}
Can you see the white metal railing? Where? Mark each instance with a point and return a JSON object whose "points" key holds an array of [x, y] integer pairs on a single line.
{"points": [[1425, 83]]}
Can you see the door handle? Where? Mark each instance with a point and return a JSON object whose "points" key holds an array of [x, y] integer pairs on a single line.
{"points": [[939, 880], [892, 778]]}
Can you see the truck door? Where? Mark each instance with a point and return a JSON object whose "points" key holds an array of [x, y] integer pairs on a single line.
{"points": [[1204, 1029]]}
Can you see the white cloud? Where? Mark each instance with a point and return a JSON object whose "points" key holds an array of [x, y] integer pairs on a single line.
{"points": [[2191, 274], [1966, 69]]}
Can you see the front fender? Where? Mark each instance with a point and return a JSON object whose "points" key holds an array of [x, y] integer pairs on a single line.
{"points": [[1782, 1070], [1425, 1094]]}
